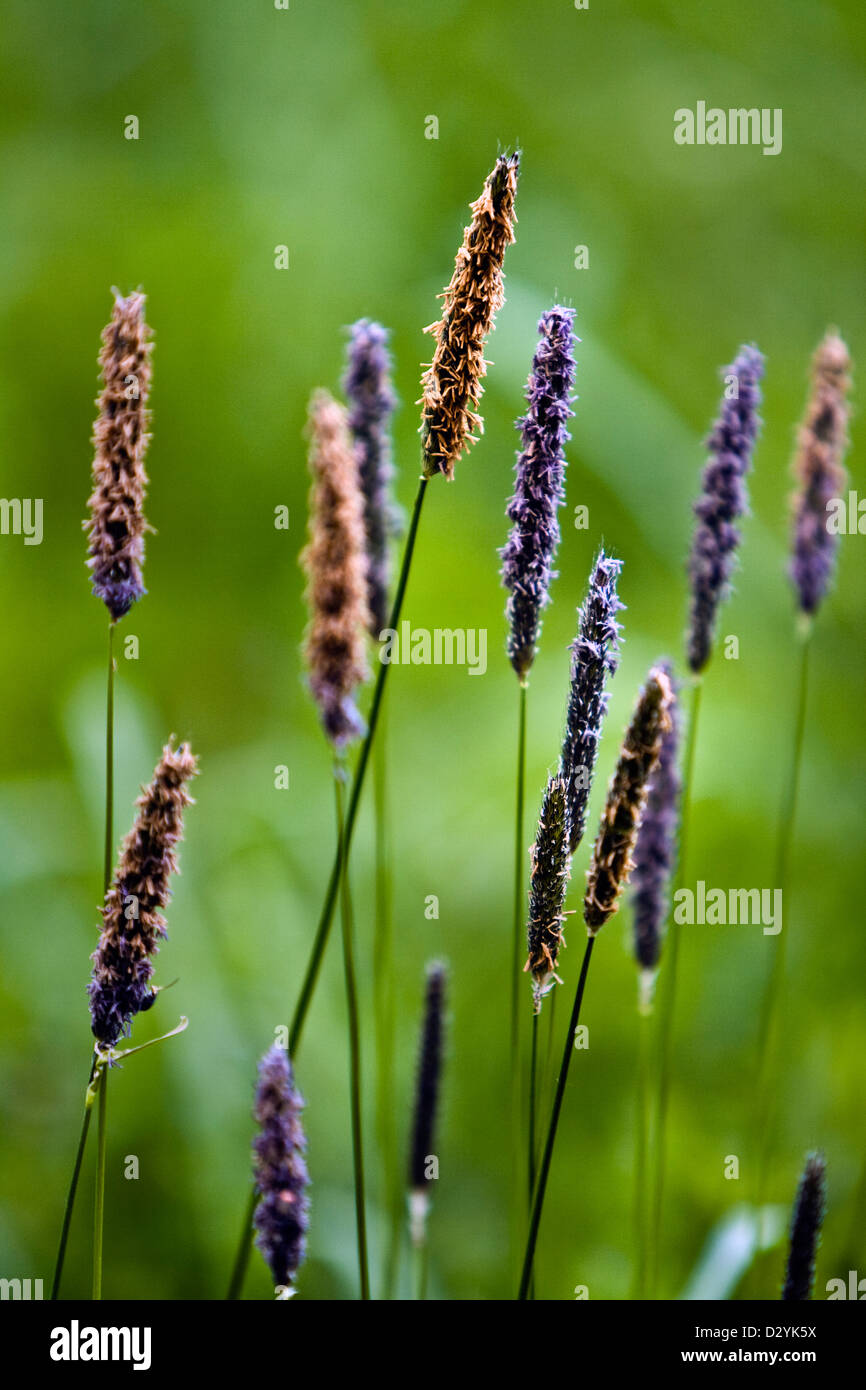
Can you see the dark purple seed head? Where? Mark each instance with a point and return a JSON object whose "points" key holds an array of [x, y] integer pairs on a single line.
{"points": [[806, 1230], [547, 888], [527, 557], [656, 843], [282, 1214], [821, 477], [429, 1077], [722, 501], [367, 384], [594, 657]]}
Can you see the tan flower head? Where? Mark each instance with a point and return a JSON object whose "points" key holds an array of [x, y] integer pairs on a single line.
{"points": [[335, 564], [132, 922], [452, 383], [116, 525], [611, 856]]}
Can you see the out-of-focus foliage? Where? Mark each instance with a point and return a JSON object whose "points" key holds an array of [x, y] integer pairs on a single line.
{"points": [[306, 128]]}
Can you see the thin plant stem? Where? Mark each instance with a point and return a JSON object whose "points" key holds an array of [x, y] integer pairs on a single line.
{"points": [[544, 1168], [242, 1256], [641, 1150], [668, 995], [90, 1093], [354, 1046], [109, 765], [320, 940], [518, 930], [326, 918], [768, 1039], [89, 1097], [383, 1006], [533, 1083], [420, 1263], [99, 1205]]}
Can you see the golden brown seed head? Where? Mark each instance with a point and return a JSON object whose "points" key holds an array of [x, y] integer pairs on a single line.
{"points": [[611, 857], [452, 383]]}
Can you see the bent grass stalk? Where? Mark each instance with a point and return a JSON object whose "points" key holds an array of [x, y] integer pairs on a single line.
{"points": [[544, 1167], [768, 1051], [642, 1118], [517, 948], [94, 1080], [102, 1072], [668, 997], [326, 918], [323, 929], [354, 1044], [384, 1010]]}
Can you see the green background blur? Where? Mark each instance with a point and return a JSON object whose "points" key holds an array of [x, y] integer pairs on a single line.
{"points": [[257, 128]]}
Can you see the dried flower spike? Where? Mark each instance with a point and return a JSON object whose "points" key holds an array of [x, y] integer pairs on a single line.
{"points": [[821, 445], [655, 846], [539, 486], [547, 887], [452, 383], [132, 922], [282, 1214], [336, 568], [611, 856], [806, 1230], [594, 657], [723, 500], [367, 385], [426, 1097], [116, 525]]}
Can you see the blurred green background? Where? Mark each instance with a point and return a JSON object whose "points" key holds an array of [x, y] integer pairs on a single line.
{"points": [[305, 127]]}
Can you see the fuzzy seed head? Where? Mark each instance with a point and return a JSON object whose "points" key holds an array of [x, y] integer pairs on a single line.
{"points": [[722, 501], [547, 887], [368, 389], [116, 524], [806, 1225], [429, 1077], [656, 843], [282, 1215], [539, 491], [452, 383], [336, 568], [611, 857], [594, 659], [820, 473], [132, 921]]}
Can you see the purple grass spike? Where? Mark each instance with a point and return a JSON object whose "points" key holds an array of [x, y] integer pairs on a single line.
{"points": [[806, 1225], [282, 1214], [821, 477], [723, 500], [429, 1078], [539, 487], [367, 384], [594, 657], [655, 849], [547, 889]]}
